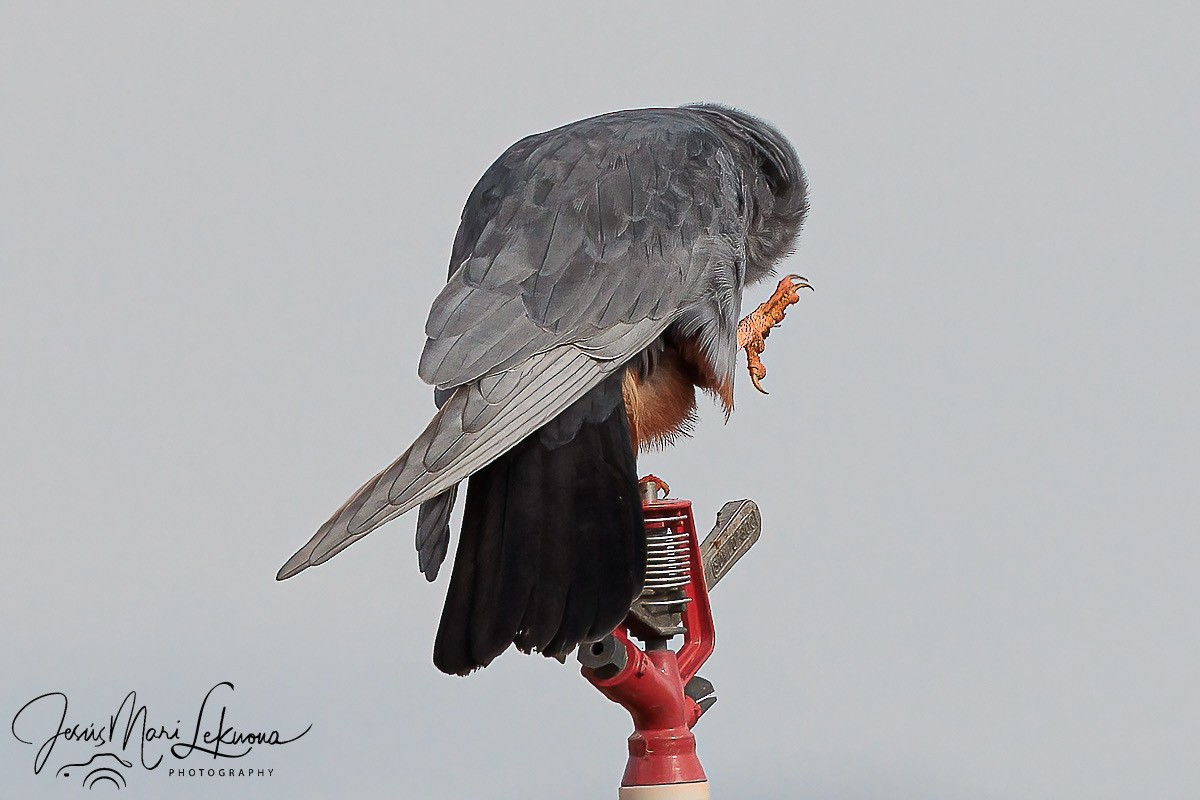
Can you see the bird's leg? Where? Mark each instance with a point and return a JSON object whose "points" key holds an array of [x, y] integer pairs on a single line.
{"points": [[756, 327]]}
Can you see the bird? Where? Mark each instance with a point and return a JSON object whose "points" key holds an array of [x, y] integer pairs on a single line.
{"points": [[595, 284]]}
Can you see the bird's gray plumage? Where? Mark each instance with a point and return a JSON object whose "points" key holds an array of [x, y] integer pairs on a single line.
{"points": [[577, 249]]}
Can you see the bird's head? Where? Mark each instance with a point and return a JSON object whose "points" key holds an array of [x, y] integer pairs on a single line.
{"points": [[778, 189]]}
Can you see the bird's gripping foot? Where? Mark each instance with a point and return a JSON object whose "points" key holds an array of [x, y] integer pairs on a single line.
{"points": [[653, 488], [756, 327]]}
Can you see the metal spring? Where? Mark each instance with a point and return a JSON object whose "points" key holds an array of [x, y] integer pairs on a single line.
{"points": [[668, 562]]}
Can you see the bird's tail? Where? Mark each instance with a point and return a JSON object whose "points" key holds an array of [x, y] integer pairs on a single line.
{"points": [[552, 550]]}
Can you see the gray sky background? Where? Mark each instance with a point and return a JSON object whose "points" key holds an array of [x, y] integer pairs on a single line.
{"points": [[221, 226]]}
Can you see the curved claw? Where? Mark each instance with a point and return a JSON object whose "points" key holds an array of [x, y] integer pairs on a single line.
{"points": [[799, 282], [757, 385]]}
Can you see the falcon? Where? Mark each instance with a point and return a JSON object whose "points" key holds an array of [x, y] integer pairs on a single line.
{"points": [[595, 284]]}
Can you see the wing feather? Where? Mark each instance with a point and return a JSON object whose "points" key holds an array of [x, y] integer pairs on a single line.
{"points": [[597, 224], [447, 452]]}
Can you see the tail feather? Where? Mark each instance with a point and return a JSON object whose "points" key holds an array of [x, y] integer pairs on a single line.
{"points": [[543, 613], [552, 550]]}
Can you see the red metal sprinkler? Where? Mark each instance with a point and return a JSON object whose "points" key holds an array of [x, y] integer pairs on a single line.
{"points": [[657, 686]]}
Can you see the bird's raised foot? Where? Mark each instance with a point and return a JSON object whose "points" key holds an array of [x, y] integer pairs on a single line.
{"points": [[754, 329]]}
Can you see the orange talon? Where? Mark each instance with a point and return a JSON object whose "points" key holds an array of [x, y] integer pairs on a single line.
{"points": [[651, 485], [756, 327]]}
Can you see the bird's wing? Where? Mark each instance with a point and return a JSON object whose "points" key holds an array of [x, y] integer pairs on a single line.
{"points": [[576, 250], [607, 221]]}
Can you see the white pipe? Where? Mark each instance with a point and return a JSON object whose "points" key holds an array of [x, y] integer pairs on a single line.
{"points": [[697, 790]]}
